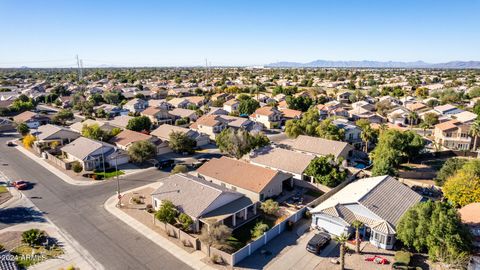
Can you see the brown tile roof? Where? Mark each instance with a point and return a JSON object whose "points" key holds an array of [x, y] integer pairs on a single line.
{"points": [[150, 111], [452, 124], [282, 159], [415, 106], [195, 99], [230, 102], [265, 110], [127, 137], [238, 173], [208, 120], [320, 146], [289, 113], [24, 116]]}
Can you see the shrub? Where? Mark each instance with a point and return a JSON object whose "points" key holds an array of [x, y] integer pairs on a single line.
{"points": [[23, 129], [77, 167], [167, 212], [149, 208], [185, 220], [270, 207], [33, 237], [216, 259], [259, 229], [28, 140], [179, 169]]}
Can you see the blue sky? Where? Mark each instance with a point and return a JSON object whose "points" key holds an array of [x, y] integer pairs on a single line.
{"points": [[39, 33]]}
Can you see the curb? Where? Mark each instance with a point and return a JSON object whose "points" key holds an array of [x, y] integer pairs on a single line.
{"points": [[54, 170], [153, 236]]}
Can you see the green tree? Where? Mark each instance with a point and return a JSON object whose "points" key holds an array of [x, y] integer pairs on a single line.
{"points": [[141, 151], [270, 207], [259, 229], [139, 123], [368, 133], [435, 227], [180, 142], [33, 237], [167, 212], [113, 97], [300, 103], [186, 221], [94, 132], [237, 143], [393, 148], [63, 116], [248, 106], [307, 125], [449, 168], [23, 129], [327, 130], [326, 171], [430, 119]]}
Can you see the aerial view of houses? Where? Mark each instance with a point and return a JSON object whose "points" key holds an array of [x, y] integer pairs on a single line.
{"points": [[180, 138]]}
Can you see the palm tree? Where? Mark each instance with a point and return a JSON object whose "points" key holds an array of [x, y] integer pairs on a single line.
{"points": [[342, 239], [412, 117], [475, 132], [366, 136], [357, 224]]}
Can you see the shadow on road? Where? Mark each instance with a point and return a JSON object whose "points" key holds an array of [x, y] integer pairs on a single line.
{"points": [[19, 214]]}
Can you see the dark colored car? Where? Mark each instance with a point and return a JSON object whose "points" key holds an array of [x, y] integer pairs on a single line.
{"points": [[318, 241], [20, 184], [165, 164]]}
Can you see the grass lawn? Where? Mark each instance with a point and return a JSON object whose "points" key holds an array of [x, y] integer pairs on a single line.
{"points": [[25, 258], [3, 189], [108, 174], [243, 233]]}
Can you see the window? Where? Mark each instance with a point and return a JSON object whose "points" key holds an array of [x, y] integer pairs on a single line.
{"points": [[261, 196], [389, 240]]}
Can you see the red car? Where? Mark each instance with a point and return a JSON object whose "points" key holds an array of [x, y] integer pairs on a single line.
{"points": [[377, 259], [20, 185]]}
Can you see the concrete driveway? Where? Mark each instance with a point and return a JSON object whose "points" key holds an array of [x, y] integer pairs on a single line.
{"points": [[297, 257]]}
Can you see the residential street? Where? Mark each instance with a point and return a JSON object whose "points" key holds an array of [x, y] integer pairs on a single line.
{"points": [[79, 212]]}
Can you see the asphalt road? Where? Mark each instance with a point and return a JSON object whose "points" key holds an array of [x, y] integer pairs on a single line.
{"points": [[79, 212]]}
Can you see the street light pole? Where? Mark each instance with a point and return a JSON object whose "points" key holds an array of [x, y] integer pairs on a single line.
{"points": [[118, 183]]}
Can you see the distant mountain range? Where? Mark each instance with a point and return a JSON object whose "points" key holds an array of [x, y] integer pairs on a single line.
{"points": [[377, 64]]}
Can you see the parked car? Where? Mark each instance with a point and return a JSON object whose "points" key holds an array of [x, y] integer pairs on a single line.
{"points": [[165, 164], [20, 184], [318, 241]]}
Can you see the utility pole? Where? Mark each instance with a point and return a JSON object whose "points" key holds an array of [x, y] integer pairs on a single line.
{"points": [[119, 196]]}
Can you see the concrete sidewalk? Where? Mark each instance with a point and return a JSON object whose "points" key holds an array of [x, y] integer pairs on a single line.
{"points": [[54, 170], [193, 260]]}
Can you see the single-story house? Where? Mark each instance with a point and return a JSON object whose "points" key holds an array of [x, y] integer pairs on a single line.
{"points": [[52, 133], [322, 147], [163, 133], [126, 138], [256, 182], [120, 121], [284, 160], [91, 153], [78, 126], [31, 119], [379, 202], [6, 125], [447, 109], [202, 200], [184, 113]]}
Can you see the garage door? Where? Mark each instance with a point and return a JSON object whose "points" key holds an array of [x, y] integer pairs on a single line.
{"points": [[333, 228], [163, 150]]}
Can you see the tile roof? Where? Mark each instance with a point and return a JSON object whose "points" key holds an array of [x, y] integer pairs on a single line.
{"points": [[192, 195], [182, 112], [239, 173], [127, 137], [45, 131], [319, 146], [449, 125], [151, 111], [289, 113], [282, 159], [384, 196], [24, 116], [163, 131], [83, 147], [415, 106], [120, 121], [266, 110], [465, 116]]}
